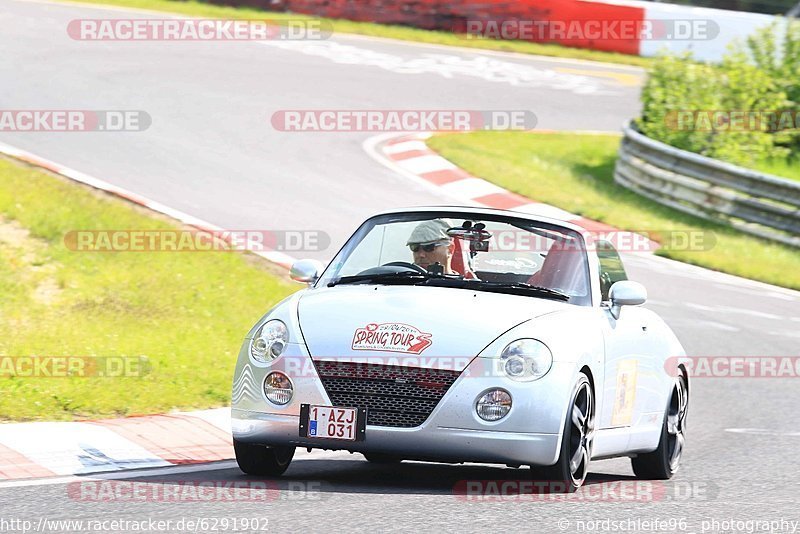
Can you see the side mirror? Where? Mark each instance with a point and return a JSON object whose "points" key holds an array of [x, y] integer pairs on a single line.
{"points": [[626, 293], [307, 271]]}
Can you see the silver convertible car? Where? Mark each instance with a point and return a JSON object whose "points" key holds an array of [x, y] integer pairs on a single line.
{"points": [[464, 335]]}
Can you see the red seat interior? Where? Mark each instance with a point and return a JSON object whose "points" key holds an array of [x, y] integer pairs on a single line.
{"points": [[560, 268], [459, 263]]}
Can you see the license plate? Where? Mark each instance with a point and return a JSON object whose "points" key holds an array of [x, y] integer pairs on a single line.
{"points": [[331, 422]]}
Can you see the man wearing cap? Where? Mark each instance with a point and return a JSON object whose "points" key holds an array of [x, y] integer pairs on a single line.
{"points": [[430, 244]]}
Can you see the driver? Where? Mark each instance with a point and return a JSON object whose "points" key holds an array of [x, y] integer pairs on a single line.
{"points": [[430, 244]]}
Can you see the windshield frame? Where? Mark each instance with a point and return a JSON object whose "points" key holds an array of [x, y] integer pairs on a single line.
{"points": [[407, 216]]}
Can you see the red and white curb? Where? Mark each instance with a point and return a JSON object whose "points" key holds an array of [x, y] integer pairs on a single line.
{"points": [[36, 450], [409, 155], [284, 260]]}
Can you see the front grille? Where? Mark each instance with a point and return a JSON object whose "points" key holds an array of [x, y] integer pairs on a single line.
{"points": [[394, 395]]}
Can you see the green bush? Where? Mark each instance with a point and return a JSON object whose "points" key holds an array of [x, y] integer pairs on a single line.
{"points": [[761, 76], [781, 61]]}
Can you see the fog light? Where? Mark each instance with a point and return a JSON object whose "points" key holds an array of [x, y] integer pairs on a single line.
{"points": [[278, 388], [493, 405]]}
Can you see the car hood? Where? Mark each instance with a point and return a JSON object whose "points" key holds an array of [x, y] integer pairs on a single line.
{"points": [[415, 326]]}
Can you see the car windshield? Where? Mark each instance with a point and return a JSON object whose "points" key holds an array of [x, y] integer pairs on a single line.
{"points": [[464, 250]]}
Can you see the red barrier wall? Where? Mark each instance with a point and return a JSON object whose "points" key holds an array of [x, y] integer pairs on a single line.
{"points": [[453, 16]]}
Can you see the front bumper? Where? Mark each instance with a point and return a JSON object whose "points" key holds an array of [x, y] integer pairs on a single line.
{"points": [[529, 435], [421, 443]]}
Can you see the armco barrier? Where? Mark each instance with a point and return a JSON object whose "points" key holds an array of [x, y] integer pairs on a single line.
{"points": [[759, 204], [452, 16]]}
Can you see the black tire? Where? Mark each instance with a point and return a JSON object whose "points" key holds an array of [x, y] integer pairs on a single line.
{"points": [[568, 474], [261, 460], [663, 463], [378, 458]]}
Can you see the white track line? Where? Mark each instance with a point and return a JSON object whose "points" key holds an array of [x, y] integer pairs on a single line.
{"points": [[301, 455], [122, 475]]}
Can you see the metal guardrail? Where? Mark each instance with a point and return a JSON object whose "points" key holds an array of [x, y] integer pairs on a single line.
{"points": [[759, 204]]}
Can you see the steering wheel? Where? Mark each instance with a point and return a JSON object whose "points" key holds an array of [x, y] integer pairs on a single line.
{"points": [[408, 265]]}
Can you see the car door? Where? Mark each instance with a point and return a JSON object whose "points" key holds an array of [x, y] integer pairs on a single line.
{"points": [[625, 341]]}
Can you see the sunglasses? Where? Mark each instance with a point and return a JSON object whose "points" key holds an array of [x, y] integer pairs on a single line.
{"points": [[427, 248]]}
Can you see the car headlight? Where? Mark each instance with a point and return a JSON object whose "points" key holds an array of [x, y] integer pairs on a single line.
{"points": [[278, 388], [269, 342], [526, 359]]}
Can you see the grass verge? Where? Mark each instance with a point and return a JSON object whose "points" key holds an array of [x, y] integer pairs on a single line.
{"points": [[405, 33], [575, 172], [784, 168], [187, 313]]}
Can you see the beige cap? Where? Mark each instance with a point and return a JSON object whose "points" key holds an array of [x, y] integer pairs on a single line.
{"points": [[430, 232]]}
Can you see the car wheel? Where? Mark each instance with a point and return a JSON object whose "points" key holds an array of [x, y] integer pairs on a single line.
{"points": [[663, 462], [572, 465], [261, 460], [377, 458]]}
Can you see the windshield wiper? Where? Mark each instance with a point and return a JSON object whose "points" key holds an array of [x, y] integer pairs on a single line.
{"points": [[442, 280], [383, 278], [517, 288]]}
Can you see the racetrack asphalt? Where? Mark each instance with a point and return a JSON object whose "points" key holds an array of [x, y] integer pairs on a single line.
{"points": [[212, 153]]}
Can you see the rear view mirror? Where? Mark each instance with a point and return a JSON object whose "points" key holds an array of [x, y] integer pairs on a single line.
{"points": [[307, 271], [626, 293]]}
